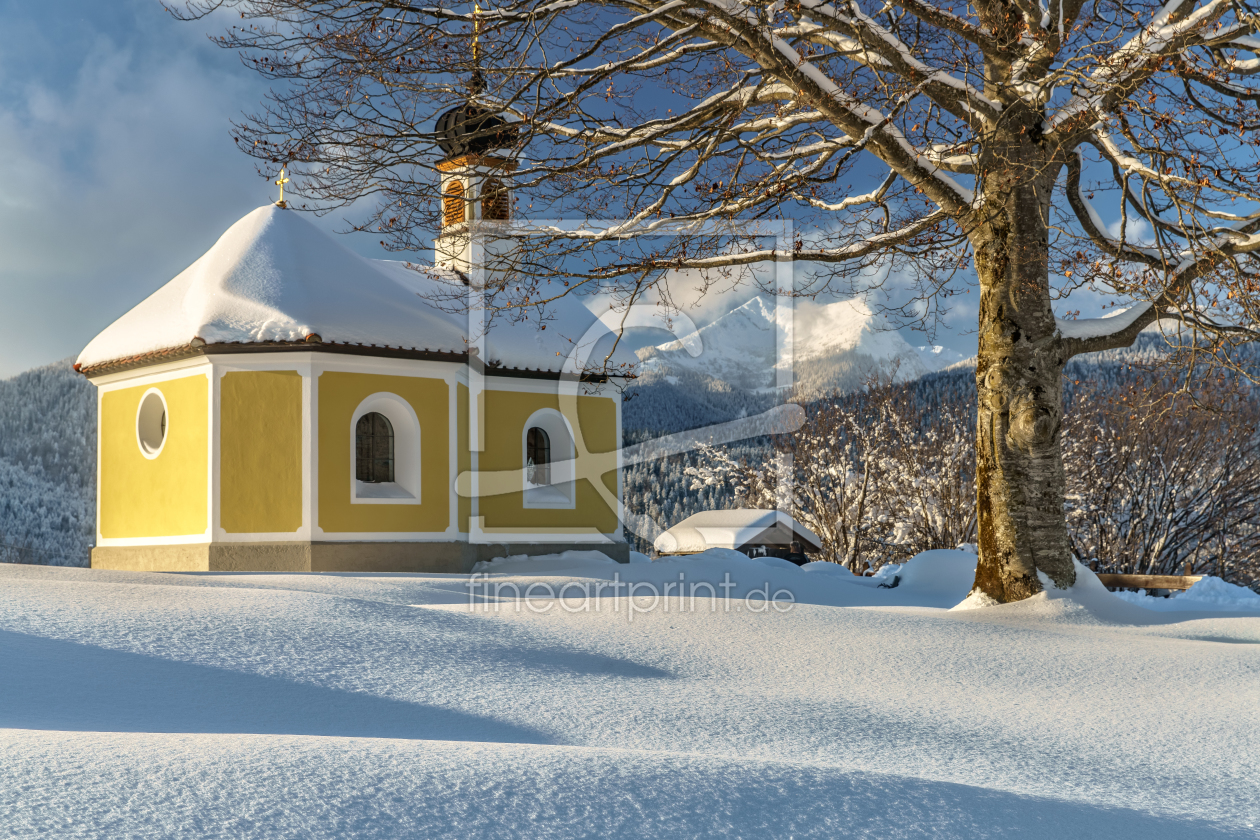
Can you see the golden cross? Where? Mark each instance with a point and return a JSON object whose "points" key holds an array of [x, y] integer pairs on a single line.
{"points": [[476, 31], [280, 183]]}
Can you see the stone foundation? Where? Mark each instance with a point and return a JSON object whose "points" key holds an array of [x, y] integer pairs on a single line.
{"points": [[430, 557]]}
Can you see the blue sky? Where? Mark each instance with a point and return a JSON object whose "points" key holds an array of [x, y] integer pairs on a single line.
{"points": [[117, 169]]}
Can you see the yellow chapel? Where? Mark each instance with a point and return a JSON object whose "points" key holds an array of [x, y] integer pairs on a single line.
{"points": [[284, 404]]}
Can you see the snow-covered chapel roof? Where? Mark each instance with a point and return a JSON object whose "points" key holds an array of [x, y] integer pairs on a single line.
{"points": [[275, 279]]}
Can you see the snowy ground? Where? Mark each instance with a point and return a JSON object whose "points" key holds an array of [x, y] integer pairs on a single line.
{"points": [[242, 706]]}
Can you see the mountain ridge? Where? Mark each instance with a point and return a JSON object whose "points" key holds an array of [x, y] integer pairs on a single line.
{"points": [[731, 366], [740, 346]]}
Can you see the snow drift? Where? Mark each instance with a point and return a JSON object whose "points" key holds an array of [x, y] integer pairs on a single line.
{"points": [[392, 706]]}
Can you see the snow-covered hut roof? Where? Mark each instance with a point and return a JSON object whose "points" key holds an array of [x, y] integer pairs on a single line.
{"points": [[276, 279], [732, 529]]}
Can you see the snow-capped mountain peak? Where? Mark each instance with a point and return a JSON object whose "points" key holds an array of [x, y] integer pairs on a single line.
{"points": [[938, 356], [834, 345]]}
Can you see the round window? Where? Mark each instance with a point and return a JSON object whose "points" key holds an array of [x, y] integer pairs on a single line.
{"points": [[151, 423]]}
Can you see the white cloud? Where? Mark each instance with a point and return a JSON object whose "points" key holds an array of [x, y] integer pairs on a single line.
{"points": [[1137, 231], [118, 170]]}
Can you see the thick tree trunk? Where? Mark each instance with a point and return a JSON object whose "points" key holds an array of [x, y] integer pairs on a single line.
{"points": [[1019, 381]]}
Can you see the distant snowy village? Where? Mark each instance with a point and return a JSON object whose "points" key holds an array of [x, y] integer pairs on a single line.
{"points": [[633, 483]]}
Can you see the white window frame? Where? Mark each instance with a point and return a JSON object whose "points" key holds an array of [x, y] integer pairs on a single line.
{"points": [[560, 493], [405, 488], [147, 452]]}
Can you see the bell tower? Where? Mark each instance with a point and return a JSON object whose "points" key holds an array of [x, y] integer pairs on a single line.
{"points": [[474, 182]]}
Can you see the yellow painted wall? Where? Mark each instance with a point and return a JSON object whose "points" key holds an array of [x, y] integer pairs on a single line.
{"points": [[260, 452], [165, 496], [339, 395], [506, 413]]}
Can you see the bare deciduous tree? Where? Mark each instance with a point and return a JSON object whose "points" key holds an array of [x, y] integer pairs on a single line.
{"points": [[1174, 492], [930, 484], [1048, 145], [879, 476], [834, 461]]}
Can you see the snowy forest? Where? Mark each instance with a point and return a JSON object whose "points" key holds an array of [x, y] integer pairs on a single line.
{"points": [[1157, 483], [47, 466], [1160, 480]]}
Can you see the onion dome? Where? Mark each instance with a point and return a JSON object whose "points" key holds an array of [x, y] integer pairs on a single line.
{"points": [[468, 129]]}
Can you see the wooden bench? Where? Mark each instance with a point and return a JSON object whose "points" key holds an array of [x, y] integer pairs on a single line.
{"points": [[1149, 581]]}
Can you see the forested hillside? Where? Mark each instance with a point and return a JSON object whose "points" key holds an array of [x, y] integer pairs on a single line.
{"points": [[662, 402], [661, 493], [47, 466]]}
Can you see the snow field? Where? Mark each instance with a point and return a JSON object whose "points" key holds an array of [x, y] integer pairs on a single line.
{"points": [[239, 705]]}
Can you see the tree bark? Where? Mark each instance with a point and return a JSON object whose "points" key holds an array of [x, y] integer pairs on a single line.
{"points": [[1019, 375]]}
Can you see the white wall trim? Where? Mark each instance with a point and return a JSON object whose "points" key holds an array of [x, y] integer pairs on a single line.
{"points": [[452, 448], [388, 536], [310, 454], [100, 440], [413, 368], [621, 490], [149, 373], [311, 524], [310, 451], [305, 359], [151, 376], [182, 539], [214, 510], [480, 534], [287, 537], [525, 384]]}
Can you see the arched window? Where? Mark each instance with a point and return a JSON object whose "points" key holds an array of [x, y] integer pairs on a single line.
{"points": [[537, 457], [453, 209], [494, 201], [374, 448], [549, 456]]}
